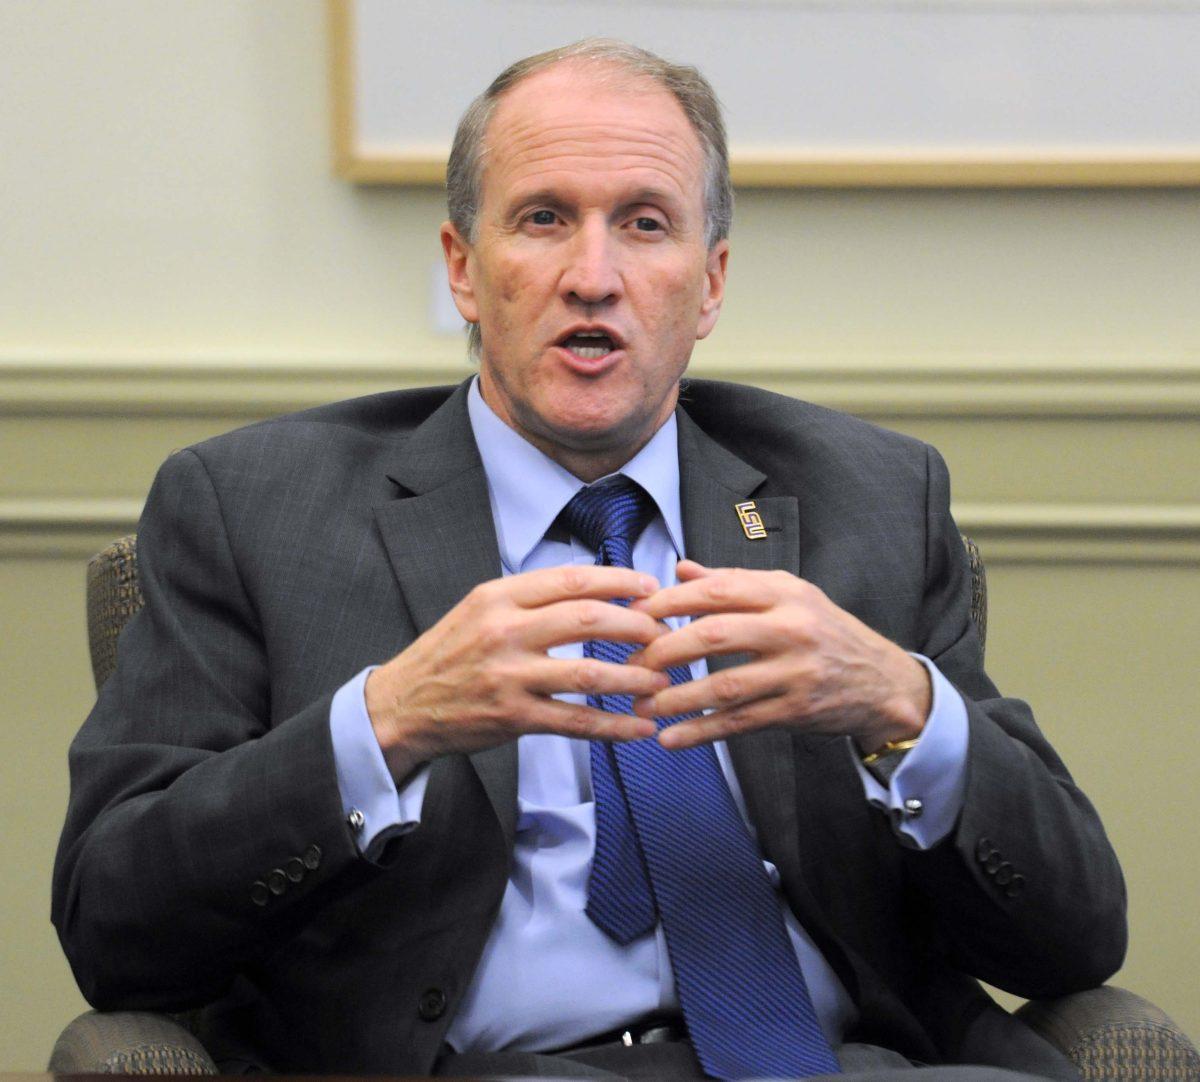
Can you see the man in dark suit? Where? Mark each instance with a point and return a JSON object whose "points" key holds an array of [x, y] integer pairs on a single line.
{"points": [[371, 780]]}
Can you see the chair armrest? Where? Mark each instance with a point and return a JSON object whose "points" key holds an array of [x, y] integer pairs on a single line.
{"points": [[1113, 1035], [128, 1042]]}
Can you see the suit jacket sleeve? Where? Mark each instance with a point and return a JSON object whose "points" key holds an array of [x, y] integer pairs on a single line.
{"points": [[1026, 892], [188, 795]]}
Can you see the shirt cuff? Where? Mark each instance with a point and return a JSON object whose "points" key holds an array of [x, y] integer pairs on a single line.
{"points": [[927, 791], [372, 804]]}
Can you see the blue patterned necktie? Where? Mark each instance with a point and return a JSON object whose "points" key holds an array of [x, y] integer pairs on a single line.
{"points": [[671, 845]]}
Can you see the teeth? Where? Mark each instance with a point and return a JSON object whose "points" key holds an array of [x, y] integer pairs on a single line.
{"points": [[590, 345]]}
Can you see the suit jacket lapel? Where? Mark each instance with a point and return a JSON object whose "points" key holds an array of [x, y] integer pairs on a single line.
{"points": [[712, 482], [441, 541]]}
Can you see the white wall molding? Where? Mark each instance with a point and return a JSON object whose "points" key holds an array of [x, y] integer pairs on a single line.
{"points": [[960, 388], [228, 387], [67, 512], [1009, 533], [68, 527]]}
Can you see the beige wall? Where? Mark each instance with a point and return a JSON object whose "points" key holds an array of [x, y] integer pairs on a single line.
{"points": [[176, 259]]}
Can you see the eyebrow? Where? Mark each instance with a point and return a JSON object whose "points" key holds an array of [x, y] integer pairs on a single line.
{"points": [[654, 196], [542, 198], [552, 201]]}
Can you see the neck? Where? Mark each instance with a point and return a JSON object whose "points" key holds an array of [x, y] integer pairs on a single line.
{"points": [[588, 467], [588, 463]]}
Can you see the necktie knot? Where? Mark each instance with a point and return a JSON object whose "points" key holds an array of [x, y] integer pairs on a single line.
{"points": [[614, 510]]}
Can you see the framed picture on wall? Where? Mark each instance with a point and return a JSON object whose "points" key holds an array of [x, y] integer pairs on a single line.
{"points": [[830, 93]]}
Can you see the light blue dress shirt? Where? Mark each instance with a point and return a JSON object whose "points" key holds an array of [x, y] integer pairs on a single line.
{"points": [[570, 980]]}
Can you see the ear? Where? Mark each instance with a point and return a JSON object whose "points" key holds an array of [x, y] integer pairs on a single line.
{"points": [[457, 252], [714, 287]]}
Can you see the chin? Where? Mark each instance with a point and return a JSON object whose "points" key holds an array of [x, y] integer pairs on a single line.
{"points": [[587, 437], [585, 430]]}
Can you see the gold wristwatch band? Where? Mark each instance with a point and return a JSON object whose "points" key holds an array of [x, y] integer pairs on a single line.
{"points": [[883, 762]]}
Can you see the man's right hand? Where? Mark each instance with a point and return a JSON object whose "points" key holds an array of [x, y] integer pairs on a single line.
{"points": [[480, 676]]}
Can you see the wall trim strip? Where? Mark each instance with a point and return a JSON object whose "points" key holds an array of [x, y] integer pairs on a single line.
{"points": [[963, 387], [1006, 532]]}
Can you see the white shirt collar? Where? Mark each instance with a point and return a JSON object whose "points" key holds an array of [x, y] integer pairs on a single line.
{"points": [[528, 489]]}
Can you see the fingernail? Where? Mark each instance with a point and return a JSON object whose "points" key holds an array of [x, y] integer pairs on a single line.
{"points": [[648, 584]]}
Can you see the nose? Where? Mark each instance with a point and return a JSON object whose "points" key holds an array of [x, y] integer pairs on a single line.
{"points": [[592, 275]]}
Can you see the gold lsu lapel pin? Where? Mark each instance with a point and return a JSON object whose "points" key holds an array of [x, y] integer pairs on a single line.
{"points": [[751, 520]]}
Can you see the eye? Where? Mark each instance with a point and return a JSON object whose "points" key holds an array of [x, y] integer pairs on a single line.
{"points": [[647, 225], [542, 217]]}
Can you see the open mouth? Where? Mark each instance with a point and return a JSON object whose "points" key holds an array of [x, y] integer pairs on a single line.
{"points": [[589, 345]]}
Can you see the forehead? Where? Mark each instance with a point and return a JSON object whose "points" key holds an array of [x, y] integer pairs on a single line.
{"points": [[592, 125]]}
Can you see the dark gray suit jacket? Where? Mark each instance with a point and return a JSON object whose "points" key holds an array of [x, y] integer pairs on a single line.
{"points": [[279, 560]]}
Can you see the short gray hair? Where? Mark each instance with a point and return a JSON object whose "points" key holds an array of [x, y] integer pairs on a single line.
{"points": [[464, 171]]}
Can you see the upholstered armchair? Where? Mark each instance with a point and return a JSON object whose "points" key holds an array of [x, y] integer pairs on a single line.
{"points": [[1109, 1033]]}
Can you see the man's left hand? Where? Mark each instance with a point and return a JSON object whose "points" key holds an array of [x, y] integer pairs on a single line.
{"points": [[813, 665]]}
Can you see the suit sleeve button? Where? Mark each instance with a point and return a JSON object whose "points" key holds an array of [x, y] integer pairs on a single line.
{"points": [[259, 894], [277, 881], [432, 1004], [994, 861], [312, 857], [1004, 874], [1015, 887], [983, 849], [294, 869]]}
